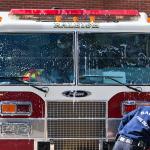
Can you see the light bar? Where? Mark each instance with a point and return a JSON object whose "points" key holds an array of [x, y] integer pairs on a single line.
{"points": [[73, 12]]}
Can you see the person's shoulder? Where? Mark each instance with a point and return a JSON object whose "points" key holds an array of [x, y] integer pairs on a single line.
{"points": [[144, 108]]}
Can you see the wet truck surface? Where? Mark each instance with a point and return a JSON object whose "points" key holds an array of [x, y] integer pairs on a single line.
{"points": [[67, 77]]}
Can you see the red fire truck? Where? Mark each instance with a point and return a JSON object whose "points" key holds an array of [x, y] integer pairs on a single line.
{"points": [[68, 76]]}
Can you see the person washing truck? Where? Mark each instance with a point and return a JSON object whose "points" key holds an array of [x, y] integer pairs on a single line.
{"points": [[134, 130]]}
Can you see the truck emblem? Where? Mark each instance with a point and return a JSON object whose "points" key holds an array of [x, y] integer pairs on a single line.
{"points": [[76, 93]]}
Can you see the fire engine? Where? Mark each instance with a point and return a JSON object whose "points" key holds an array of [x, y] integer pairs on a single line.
{"points": [[68, 76]]}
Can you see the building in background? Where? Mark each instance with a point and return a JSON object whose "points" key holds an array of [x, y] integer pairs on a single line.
{"points": [[141, 5]]}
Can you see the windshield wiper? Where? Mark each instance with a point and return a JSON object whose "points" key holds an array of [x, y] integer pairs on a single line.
{"points": [[112, 78], [19, 79]]}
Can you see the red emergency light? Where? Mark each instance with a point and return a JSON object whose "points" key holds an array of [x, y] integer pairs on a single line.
{"points": [[128, 106], [74, 12]]}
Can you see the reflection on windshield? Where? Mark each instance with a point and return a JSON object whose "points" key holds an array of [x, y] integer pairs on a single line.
{"points": [[123, 56], [43, 58]]}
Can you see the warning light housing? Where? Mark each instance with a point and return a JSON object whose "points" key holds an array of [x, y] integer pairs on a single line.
{"points": [[10, 108], [73, 12], [73, 15], [128, 106]]}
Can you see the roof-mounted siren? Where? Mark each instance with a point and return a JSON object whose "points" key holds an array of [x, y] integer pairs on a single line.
{"points": [[74, 15]]}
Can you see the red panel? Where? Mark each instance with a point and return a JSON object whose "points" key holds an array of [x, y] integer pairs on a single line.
{"points": [[114, 104], [73, 12], [38, 104], [16, 145]]}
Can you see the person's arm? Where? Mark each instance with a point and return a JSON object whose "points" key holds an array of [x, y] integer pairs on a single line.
{"points": [[126, 118]]}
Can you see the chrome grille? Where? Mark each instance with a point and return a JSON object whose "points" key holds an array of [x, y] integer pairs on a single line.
{"points": [[76, 110], [76, 125], [76, 144], [76, 128]]}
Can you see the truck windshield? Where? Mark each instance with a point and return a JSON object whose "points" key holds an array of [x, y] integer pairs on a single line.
{"points": [[40, 58], [122, 56]]}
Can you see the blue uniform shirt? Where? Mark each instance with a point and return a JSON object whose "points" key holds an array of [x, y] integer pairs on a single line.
{"points": [[136, 124]]}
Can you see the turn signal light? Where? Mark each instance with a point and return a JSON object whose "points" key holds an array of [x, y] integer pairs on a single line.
{"points": [[8, 108], [16, 108], [148, 19]]}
